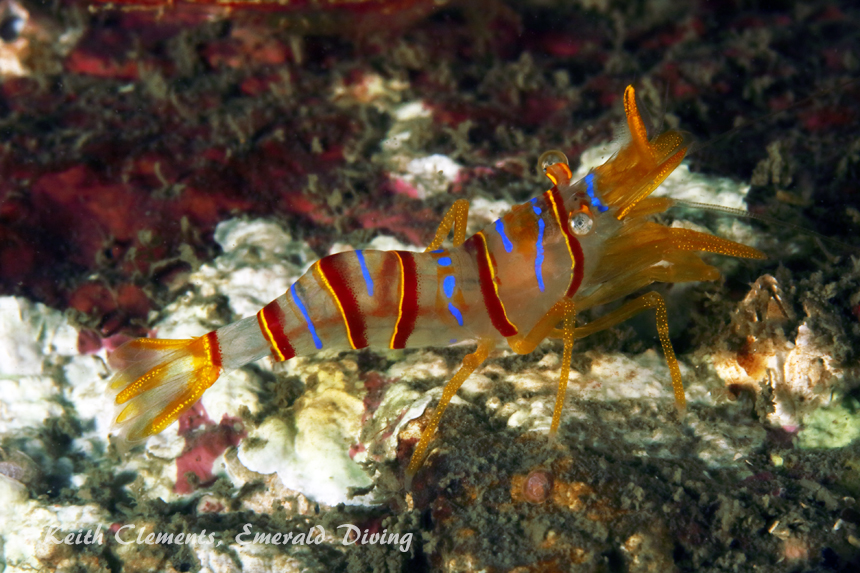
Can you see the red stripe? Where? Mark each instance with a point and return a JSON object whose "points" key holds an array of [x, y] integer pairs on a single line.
{"points": [[274, 326], [214, 348], [573, 243], [332, 268], [409, 304], [477, 244]]}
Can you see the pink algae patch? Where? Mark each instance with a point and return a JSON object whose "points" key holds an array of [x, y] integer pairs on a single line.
{"points": [[91, 64], [402, 187], [356, 449], [826, 118], [91, 341], [376, 385], [205, 441]]}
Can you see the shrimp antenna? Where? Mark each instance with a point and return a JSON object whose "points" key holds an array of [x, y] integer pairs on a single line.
{"points": [[695, 148], [764, 219]]}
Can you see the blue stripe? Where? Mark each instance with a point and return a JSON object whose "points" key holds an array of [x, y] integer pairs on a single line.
{"points": [[445, 261], [539, 246], [437, 251], [317, 342], [455, 312], [448, 284], [539, 255], [589, 183], [500, 228], [364, 271]]}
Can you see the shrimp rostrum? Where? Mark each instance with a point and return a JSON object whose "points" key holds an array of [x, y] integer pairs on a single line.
{"points": [[519, 280]]}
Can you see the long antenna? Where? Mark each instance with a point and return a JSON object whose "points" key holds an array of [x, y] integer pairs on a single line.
{"points": [[747, 122], [696, 147]]}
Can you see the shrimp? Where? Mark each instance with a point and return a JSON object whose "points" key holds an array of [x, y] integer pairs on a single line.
{"points": [[519, 280]]}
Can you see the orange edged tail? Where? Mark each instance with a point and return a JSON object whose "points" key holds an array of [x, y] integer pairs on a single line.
{"points": [[158, 380]]}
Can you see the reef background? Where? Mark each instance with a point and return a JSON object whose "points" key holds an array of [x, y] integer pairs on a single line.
{"points": [[129, 135]]}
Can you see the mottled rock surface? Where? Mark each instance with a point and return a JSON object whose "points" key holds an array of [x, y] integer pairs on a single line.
{"points": [[167, 172]]}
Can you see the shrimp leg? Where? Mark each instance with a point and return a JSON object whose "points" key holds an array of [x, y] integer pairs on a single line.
{"points": [[564, 310], [470, 363], [569, 311], [456, 217], [630, 309]]}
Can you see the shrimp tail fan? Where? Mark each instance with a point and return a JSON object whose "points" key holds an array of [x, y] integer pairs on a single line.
{"points": [[156, 381]]}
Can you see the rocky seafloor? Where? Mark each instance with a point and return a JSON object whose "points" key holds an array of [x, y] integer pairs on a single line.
{"points": [[168, 173]]}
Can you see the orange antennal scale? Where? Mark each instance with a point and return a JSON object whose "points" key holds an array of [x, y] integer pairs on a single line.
{"points": [[640, 166]]}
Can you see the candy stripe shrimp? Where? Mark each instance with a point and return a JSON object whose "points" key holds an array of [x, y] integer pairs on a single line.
{"points": [[519, 280]]}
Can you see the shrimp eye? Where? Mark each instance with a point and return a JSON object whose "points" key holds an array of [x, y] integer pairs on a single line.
{"points": [[554, 165], [580, 223], [551, 157], [10, 27]]}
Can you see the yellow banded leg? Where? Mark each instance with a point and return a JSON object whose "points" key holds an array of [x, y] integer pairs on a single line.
{"points": [[569, 323], [632, 308], [564, 310], [470, 363], [456, 217]]}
